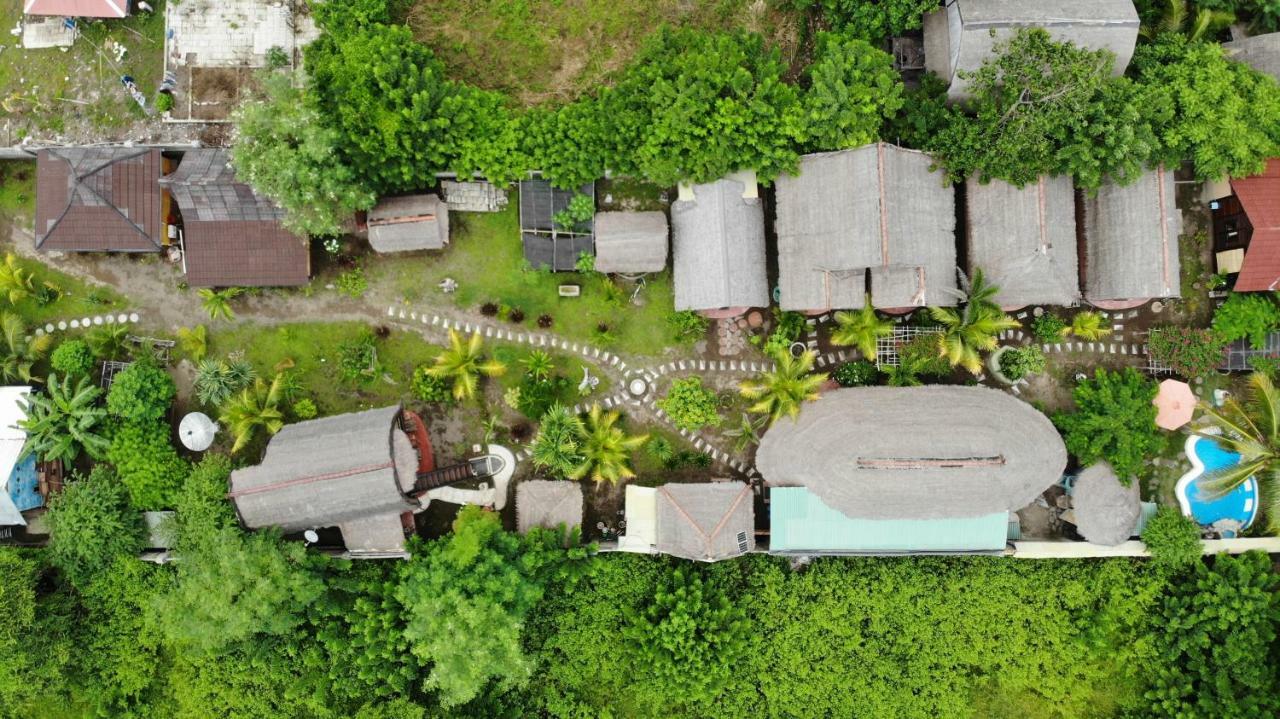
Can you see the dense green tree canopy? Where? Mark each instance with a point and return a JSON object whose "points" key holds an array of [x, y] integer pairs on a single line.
{"points": [[142, 392], [1114, 421], [91, 524], [853, 89]]}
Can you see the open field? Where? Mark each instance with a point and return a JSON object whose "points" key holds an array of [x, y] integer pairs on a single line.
{"points": [[545, 50]]}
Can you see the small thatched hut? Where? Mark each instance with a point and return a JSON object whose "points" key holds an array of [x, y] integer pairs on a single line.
{"points": [[1024, 239], [548, 504], [1106, 511], [631, 242], [718, 246], [705, 522]]}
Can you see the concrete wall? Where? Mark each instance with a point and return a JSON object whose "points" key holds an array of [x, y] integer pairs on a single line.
{"points": [[1132, 548]]}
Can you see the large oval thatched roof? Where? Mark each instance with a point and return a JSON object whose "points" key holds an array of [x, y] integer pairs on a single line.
{"points": [[915, 452]]}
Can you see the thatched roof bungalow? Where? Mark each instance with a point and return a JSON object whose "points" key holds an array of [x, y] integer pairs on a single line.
{"points": [[631, 242], [915, 453], [411, 222], [964, 34], [1131, 242], [548, 504], [1024, 240], [1106, 512], [873, 216], [353, 471], [718, 244]]}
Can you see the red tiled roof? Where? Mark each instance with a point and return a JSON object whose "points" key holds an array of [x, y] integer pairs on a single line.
{"points": [[245, 253], [104, 199], [77, 8], [1260, 196]]}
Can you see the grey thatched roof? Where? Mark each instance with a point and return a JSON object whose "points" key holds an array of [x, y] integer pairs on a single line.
{"points": [[1025, 240], [964, 34], [1106, 511], [705, 522], [206, 190], [413, 222], [1131, 240], [1260, 52], [874, 210], [334, 471], [631, 242], [915, 452], [546, 503], [718, 244]]}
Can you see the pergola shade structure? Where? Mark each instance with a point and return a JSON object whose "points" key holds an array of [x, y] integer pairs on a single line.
{"points": [[1024, 240], [876, 219], [546, 244]]}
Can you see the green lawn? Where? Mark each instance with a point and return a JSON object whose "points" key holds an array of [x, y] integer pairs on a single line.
{"points": [[486, 259], [51, 90], [546, 50], [64, 297]]}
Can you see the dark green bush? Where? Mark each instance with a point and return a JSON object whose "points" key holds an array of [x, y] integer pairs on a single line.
{"points": [[856, 374], [72, 358]]}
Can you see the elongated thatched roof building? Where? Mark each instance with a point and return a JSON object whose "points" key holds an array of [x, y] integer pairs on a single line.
{"points": [[915, 452], [964, 34], [352, 471], [1024, 239], [411, 222], [1131, 242], [705, 522], [1106, 511], [631, 242], [717, 241], [875, 213], [548, 504]]}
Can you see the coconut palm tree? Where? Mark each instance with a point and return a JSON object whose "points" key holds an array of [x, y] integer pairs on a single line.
{"points": [[780, 392], [64, 421], [606, 448], [1177, 17], [463, 364], [745, 433], [861, 329], [18, 354], [538, 364], [109, 342], [217, 303], [1251, 429], [973, 329], [1087, 326], [16, 283], [256, 407]]}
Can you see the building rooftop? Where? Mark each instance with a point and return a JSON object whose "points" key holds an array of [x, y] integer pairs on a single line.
{"points": [[412, 222], [1106, 512], [1131, 241], [705, 522], [1260, 52], [548, 504], [78, 8], [717, 238], [98, 199], [631, 242], [1260, 197]]}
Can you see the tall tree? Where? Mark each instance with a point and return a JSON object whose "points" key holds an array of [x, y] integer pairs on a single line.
{"points": [[91, 524], [284, 151], [853, 89], [861, 330], [1251, 429], [605, 448], [1114, 421], [780, 392], [463, 364]]}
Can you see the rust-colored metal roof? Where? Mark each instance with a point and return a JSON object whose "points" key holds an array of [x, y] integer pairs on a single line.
{"points": [[246, 253], [98, 199], [77, 8], [1260, 196]]}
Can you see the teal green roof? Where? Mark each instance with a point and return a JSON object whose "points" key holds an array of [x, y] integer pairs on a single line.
{"points": [[800, 522]]}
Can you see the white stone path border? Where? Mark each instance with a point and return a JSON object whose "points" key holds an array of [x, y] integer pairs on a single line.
{"points": [[87, 322]]}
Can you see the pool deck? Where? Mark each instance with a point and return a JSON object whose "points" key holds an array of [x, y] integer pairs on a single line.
{"points": [[1240, 504]]}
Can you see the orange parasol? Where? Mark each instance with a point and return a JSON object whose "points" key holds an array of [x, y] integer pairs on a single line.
{"points": [[1175, 403]]}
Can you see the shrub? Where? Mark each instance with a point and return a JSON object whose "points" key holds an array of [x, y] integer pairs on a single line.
{"points": [[72, 358], [690, 405], [358, 359], [921, 353], [1048, 327], [1251, 316], [1173, 539], [1188, 351], [687, 325], [545, 321], [91, 523], [304, 409], [489, 309], [352, 283], [1114, 421], [141, 393], [201, 506], [856, 374], [1022, 361], [580, 209], [430, 388], [164, 102], [147, 463], [515, 316], [536, 396]]}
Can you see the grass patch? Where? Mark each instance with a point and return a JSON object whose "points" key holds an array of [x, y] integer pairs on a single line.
{"points": [[17, 189], [486, 259], [541, 50], [49, 89], [67, 298]]}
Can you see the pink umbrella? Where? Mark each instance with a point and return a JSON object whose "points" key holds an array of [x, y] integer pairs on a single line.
{"points": [[1175, 403]]}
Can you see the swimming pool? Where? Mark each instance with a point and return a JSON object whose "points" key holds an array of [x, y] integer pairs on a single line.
{"points": [[1240, 504]]}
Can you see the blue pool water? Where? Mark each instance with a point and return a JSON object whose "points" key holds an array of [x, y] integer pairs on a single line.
{"points": [[1240, 504], [23, 488]]}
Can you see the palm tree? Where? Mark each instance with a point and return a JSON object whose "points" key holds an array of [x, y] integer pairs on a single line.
{"points": [[109, 341], [781, 392], [745, 433], [1252, 430], [194, 341], [1176, 17], [463, 365], [217, 303], [16, 283], [558, 444], [606, 448], [1087, 326], [216, 380], [18, 353], [257, 406], [861, 329], [538, 364], [906, 373], [973, 329], [64, 421]]}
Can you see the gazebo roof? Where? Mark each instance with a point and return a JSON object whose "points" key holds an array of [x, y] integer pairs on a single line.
{"points": [[548, 504], [1106, 511]]}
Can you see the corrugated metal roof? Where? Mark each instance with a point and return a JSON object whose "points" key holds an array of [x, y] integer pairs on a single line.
{"points": [[799, 522], [98, 199]]}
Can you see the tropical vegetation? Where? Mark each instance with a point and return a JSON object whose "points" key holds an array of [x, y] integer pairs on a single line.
{"points": [[861, 329], [780, 392], [257, 407], [463, 364], [65, 420], [1251, 428], [1114, 420], [973, 329]]}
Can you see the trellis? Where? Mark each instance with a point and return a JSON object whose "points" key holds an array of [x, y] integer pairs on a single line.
{"points": [[110, 369], [887, 347]]}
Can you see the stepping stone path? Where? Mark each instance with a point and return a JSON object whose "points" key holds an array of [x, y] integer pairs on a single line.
{"points": [[86, 322]]}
